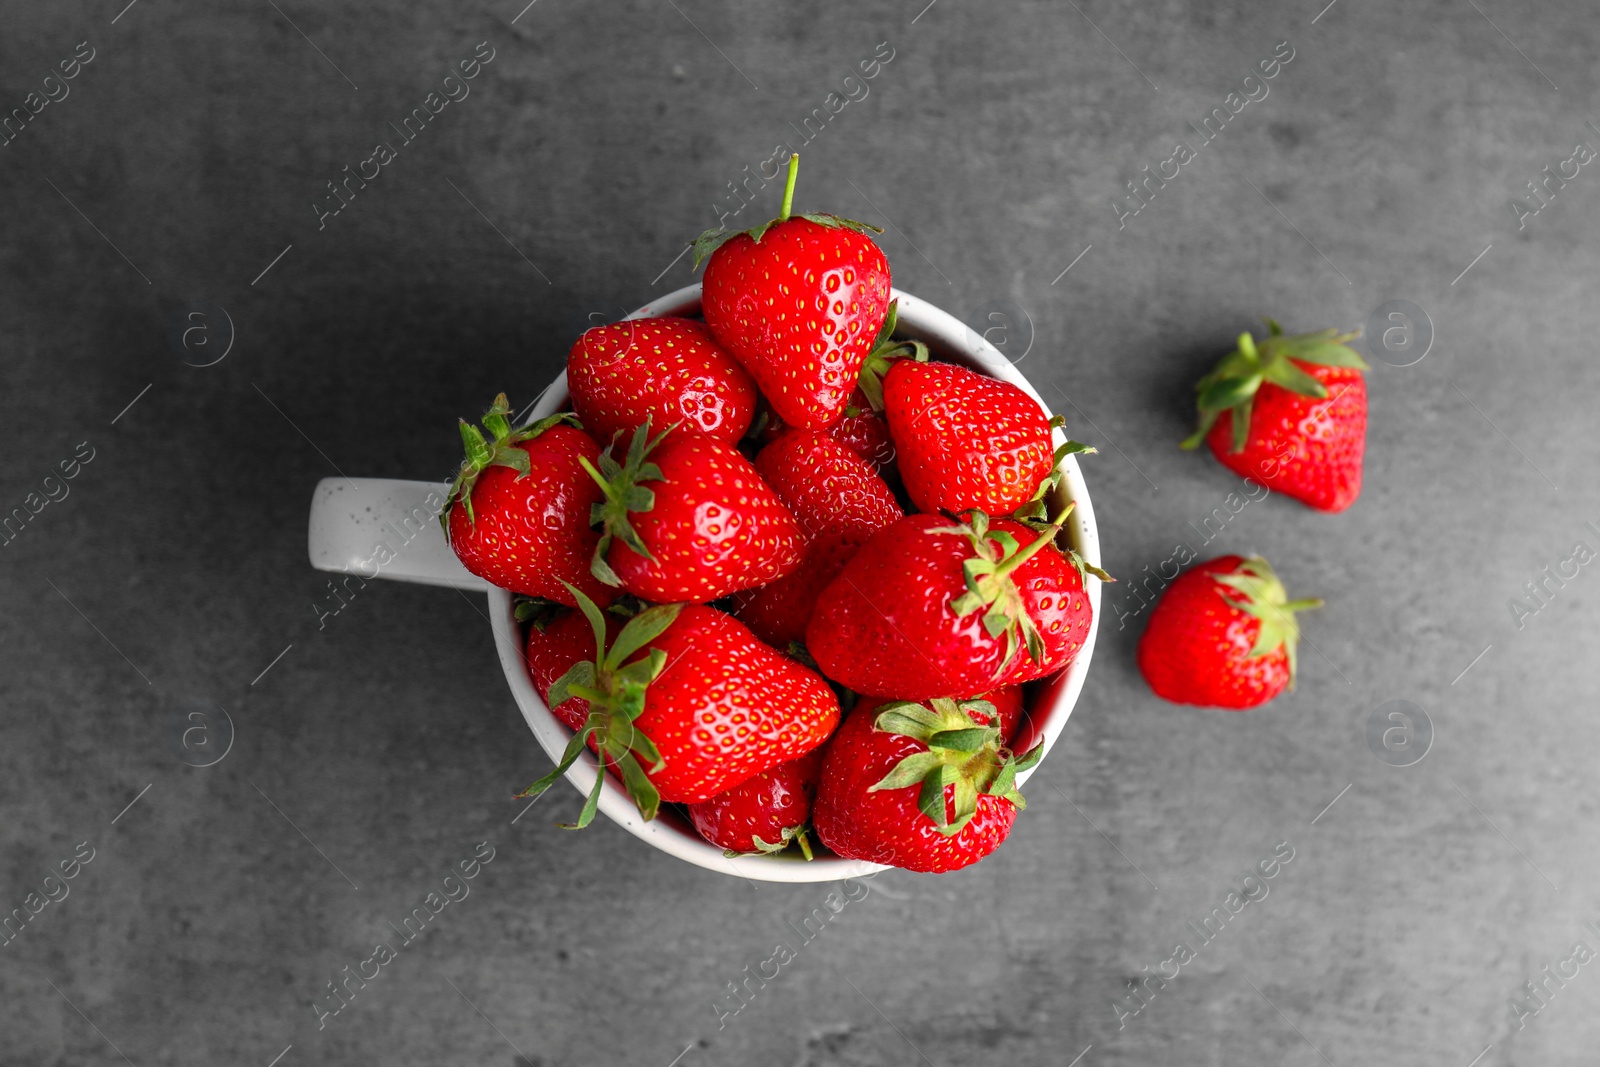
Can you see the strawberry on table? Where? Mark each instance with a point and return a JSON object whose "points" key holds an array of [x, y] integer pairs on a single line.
{"points": [[666, 369], [1223, 635], [686, 517], [799, 301], [1290, 412], [764, 813], [518, 513], [937, 607], [925, 787], [685, 703]]}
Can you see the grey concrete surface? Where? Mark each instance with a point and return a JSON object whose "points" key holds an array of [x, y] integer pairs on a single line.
{"points": [[180, 171]]}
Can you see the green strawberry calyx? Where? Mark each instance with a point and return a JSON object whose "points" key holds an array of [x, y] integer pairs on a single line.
{"points": [[960, 752], [1035, 507], [498, 450], [712, 240], [615, 690], [1233, 383], [537, 611], [885, 351], [797, 834], [1254, 589], [991, 588], [623, 496]]}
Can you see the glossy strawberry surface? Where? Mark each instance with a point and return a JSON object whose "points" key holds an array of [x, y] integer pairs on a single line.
{"points": [[1196, 647], [964, 440], [1052, 590], [715, 527], [771, 806], [779, 611], [865, 433], [664, 369], [826, 487], [1304, 447], [885, 826], [886, 624], [726, 707], [530, 532], [800, 309]]}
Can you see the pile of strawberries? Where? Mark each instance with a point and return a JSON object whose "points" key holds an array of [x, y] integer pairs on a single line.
{"points": [[781, 567]]}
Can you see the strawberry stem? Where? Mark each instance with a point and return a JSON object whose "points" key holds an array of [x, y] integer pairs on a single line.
{"points": [[788, 187]]}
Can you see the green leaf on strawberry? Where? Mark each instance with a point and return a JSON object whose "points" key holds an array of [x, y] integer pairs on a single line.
{"points": [[970, 758], [1233, 383], [797, 834], [885, 350], [990, 587], [624, 495], [615, 693], [1035, 507], [499, 450], [1255, 590]]}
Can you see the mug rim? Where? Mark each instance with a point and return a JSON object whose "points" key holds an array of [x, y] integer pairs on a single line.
{"points": [[1050, 702]]}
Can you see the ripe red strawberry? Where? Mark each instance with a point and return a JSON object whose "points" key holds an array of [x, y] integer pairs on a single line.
{"points": [[686, 517], [518, 514], [1053, 596], [865, 433], [778, 612], [965, 440], [1223, 635], [838, 501], [764, 813], [861, 430], [686, 703], [664, 369], [825, 486], [920, 787], [553, 647], [934, 607], [798, 301], [1289, 412]]}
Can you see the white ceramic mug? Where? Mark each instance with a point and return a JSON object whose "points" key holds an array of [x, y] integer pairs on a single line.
{"points": [[380, 527]]}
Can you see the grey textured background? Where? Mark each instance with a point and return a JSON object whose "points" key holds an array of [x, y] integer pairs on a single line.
{"points": [[187, 157]]}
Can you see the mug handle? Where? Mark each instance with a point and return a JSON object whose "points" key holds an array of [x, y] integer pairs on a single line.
{"points": [[385, 528]]}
